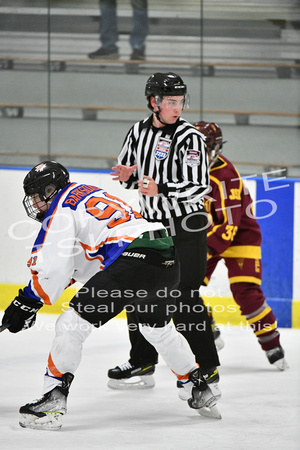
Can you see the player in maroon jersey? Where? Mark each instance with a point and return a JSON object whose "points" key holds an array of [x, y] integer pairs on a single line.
{"points": [[234, 235]]}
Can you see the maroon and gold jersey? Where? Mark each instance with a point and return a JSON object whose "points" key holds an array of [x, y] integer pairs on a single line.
{"points": [[234, 236], [234, 231]]}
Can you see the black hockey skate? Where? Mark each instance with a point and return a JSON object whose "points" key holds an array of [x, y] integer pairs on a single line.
{"points": [[202, 396], [202, 392], [46, 413], [127, 376], [212, 378], [276, 357]]}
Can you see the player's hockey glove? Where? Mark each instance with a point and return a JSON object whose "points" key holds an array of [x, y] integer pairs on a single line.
{"points": [[21, 313]]}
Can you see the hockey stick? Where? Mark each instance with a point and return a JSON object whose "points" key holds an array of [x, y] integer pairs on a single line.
{"points": [[3, 327]]}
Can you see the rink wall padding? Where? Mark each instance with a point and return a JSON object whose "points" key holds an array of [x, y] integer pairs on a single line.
{"points": [[225, 310], [276, 205]]}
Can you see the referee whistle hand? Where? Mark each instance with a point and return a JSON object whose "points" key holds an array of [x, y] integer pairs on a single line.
{"points": [[122, 173], [147, 186]]}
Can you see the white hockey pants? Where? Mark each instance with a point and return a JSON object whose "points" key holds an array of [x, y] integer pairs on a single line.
{"points": [[70, 333], [172, 346]]}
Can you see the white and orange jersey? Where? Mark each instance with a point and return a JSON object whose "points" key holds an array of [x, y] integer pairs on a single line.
{"points": [[84, 231]]}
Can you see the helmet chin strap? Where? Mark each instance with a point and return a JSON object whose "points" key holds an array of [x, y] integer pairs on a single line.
{"points": [[158, 118]]}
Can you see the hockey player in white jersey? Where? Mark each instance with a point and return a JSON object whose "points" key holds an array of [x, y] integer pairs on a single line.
{"points": [[94, 238]]}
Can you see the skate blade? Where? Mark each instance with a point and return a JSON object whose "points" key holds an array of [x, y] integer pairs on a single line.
{"points": [[51, 421], [212, 412], [281, 364], [134, 383]]}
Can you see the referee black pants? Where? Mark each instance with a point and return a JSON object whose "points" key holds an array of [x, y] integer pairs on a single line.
{"points": [[189, 234], [144, 288]]}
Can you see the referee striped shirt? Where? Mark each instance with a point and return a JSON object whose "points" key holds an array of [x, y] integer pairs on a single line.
{"points": [[176, 158]]}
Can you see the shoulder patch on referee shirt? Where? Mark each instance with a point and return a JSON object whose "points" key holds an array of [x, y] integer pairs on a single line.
{"points": [[192, 158], [162, 148]]}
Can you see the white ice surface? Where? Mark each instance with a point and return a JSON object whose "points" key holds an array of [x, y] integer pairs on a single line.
{"points": [[260, 405]]}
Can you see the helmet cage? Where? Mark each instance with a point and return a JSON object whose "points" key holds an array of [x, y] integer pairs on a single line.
{"points": [[33, 206], [44, 181], [33, 211]]}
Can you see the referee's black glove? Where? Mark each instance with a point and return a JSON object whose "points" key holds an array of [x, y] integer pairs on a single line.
{"points": [[21, 313]]}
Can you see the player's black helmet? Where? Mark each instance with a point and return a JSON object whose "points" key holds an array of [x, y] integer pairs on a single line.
{"points": [[45, 179], [213, 138], [162, 84]]}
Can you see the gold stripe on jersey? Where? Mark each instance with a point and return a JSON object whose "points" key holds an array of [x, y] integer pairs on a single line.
{"points": [[222, 197], [242, 251], [245, 279], [206, 281]]}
